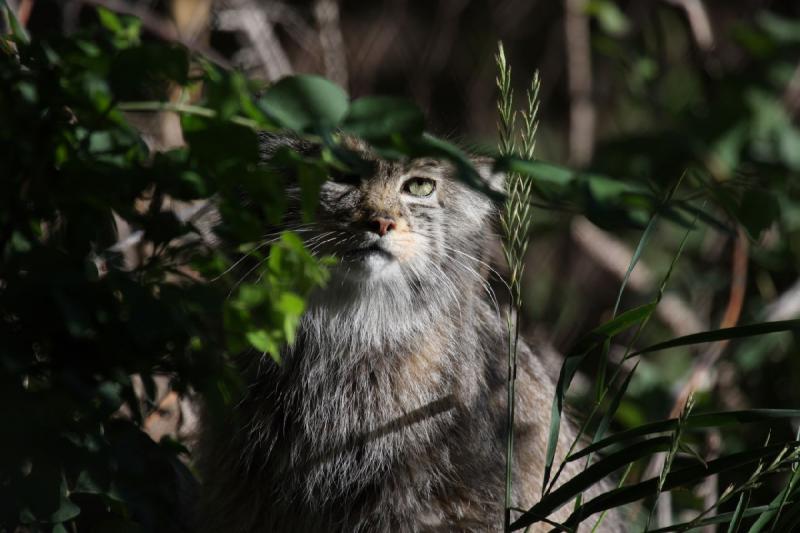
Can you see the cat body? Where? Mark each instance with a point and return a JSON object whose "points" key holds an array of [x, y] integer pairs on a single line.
{"points": [[389, 411]]}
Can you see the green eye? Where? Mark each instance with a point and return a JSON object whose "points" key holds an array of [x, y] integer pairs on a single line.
{"points": [[419, 186]]}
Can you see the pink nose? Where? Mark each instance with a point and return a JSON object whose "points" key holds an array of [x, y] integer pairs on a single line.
{"points": [[382, 225]]}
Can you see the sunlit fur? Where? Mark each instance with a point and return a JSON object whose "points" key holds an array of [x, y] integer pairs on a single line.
{"points": [[389, 412]]}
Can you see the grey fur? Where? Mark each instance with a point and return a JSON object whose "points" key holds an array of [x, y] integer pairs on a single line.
{"points": [[388, 413]]}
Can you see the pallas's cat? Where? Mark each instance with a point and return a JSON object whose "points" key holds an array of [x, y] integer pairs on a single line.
{"points": [[389, 411]]}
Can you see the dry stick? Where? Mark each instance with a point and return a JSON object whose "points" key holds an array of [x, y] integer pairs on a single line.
{"points": [[791, 96], [334, 53], [24, 11], [701, 369], [579, 77], [699, 22], [191, 17], [259, 29]]}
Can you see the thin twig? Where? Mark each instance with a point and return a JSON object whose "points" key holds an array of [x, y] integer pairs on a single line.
{"points": [[701, 369], [187, 109]]}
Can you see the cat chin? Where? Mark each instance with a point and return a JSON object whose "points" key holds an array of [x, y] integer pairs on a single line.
{"points": [[368, 268]]}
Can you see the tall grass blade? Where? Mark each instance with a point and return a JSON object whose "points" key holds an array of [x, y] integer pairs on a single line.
{"points": [[637, 254], [712, 520], [605, 422], [696, 421], [570, 366], [777, 504], [685, 476], [17, 29], [598, 471], [669, 458], [738, 514], [736, 332]]}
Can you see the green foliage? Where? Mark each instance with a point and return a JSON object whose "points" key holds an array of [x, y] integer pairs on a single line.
{"points": [[77, 319]]}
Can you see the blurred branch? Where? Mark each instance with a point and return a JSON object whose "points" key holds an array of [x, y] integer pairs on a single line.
{"points": [[252, 20], [701, 374], [709, 488], [791, 96], [579, 78], [613, 255], [786, 306], [334, 54], [161, 27], [699, 22], [24, 11], [191, 17]]}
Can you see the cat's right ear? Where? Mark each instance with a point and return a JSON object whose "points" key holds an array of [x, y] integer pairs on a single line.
{"points": [[485, 167]]}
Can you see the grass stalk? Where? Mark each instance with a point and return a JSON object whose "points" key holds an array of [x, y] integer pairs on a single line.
{"points": [[515, 221]]}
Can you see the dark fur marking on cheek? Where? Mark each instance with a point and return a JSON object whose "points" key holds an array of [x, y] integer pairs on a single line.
{"points": [[424, 216]]}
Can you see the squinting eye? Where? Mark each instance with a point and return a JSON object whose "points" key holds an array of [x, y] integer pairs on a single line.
{"points": [[419, 186]]}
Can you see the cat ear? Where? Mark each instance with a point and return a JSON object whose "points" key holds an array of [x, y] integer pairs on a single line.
{"points": [[485, 167]]}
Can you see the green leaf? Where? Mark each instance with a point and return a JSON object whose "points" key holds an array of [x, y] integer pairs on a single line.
{"points": [[605, 422], [721, 518], [611, 19], [379, 117], [626, 320], [261, 340], [570, 367], [751, 330], [592, 475], [125, 29], [677, 478], [109, 19], [538, 170], [777, 503], [782, 29], [738, 514], [637, 254], [305, 103], [291, 304], [696, 421], [17, 30]]}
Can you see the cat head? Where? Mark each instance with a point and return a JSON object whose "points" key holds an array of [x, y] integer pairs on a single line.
{"points": [[407, 223]]}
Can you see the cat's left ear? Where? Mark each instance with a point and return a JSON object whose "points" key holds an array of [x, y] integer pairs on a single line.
{"points": [[485, 167]]}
